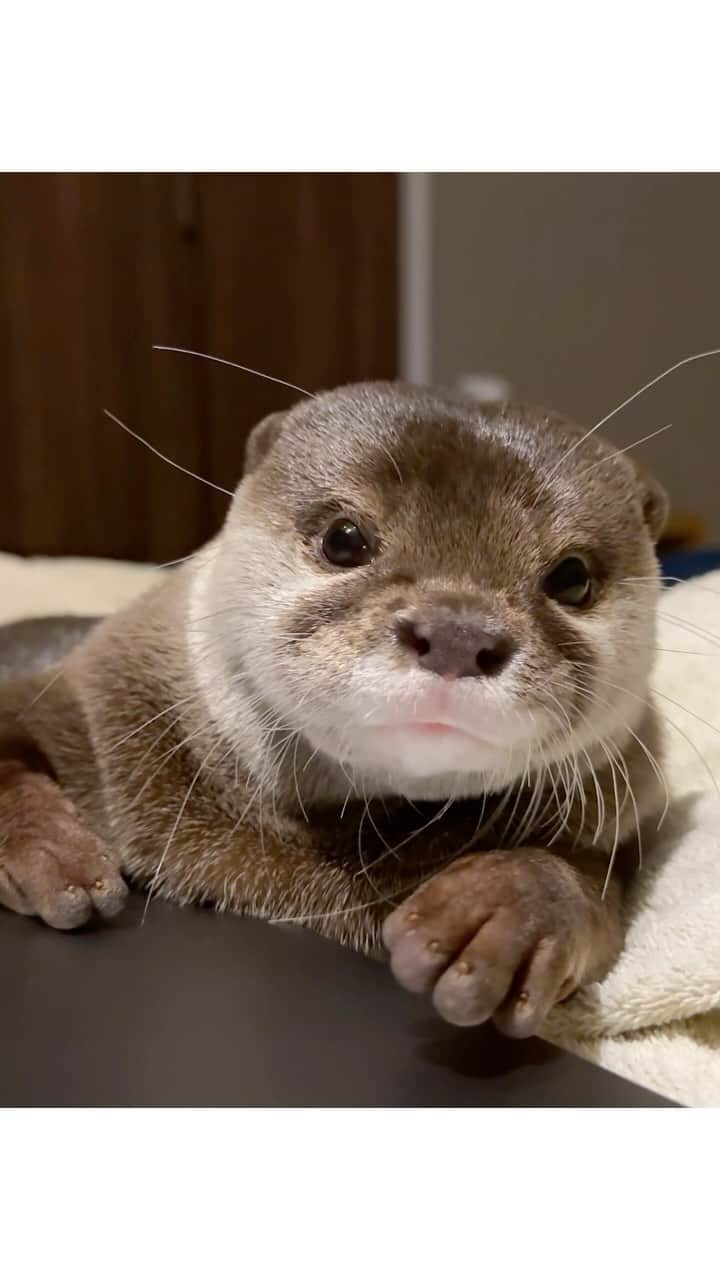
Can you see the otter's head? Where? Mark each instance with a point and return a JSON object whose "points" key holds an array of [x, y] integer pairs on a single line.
{"points": [[442, 597]]}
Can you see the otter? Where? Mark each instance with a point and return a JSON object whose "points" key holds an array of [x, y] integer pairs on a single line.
{"points": [[401, 698]]}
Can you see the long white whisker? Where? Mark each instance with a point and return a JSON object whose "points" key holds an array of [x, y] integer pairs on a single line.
{"points": [[687, 582], [171, 463], [394, 849], [295, 777], [616, 841], [625, 773], [146, 723], [673, 725], [700, 355], [601, 462], [652, 759], [45, 689], [599, 797], [693, 628], [244, 368], [175, 826]]}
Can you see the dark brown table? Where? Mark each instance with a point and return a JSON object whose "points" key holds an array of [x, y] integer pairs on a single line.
{"points": [[197, 1009]]}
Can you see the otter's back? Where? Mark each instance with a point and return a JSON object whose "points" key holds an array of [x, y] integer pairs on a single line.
{"points": [[33, 644]]}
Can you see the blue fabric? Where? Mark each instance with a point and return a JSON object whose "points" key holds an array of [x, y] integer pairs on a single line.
{"points": [[688, 564]]}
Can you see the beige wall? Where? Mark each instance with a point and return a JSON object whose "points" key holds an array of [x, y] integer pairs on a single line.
{"points": [[578, 288]]}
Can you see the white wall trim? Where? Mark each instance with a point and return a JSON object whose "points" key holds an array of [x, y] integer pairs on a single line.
{"points": [[415, 277]]}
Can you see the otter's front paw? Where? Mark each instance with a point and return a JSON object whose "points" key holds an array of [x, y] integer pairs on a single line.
{"points": [[52, 864], [496, 935]]}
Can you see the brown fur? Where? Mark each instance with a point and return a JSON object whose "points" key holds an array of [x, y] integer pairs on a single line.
{"points": [[197, 741]]}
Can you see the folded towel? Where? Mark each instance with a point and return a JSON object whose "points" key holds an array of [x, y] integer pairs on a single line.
{"points": [[656, 1017], [44, 585]]}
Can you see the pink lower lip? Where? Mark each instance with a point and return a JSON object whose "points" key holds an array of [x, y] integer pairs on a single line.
{"points": [[432, 726], [428, 728]]}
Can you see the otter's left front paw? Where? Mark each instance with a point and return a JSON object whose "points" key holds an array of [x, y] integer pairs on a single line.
{"points": [[52, 864], [496, 935]]}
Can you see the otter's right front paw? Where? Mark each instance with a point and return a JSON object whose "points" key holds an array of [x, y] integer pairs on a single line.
{"points": [[52, 864]]}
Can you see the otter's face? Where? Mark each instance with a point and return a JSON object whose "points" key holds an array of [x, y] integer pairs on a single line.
{"points": [[435, 594]]}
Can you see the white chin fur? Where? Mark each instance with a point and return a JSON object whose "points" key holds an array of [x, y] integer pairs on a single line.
{"points": [[411, 727], [420, 765], [413, 753]]}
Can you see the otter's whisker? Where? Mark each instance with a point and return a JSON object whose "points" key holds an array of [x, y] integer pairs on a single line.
{"points": [[652, 760], [169, 564], [687, 582], [346, 801], [518, 797], [534, 804], [310, 759], [693, 628], [700, 355], [625, 774], [395, 849], [599, 797], [257, 373], [391, 460], [175, 826], [673, 725], [164, 458], [646, 648], [46, 688], [616, 840], [295, 777], [146, 723], [168, 755], [617, 452]]}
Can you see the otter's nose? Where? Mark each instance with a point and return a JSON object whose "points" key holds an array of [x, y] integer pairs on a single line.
{"points": [[453, 645]]}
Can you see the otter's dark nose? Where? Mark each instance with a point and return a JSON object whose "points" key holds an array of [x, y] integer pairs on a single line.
{"points": [[454, 645]]}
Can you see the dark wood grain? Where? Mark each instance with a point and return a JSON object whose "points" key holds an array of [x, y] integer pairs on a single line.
{"points": [[294, 274]]}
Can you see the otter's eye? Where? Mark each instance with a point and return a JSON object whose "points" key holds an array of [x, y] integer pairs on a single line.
{"points": [[569, 582], [346, 545]]}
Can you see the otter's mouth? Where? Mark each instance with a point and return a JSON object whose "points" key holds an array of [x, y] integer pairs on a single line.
{"points": [[430, 729], [441, 714]]}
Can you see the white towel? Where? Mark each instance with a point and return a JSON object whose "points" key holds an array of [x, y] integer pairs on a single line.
{"points": [[44, 585], [656, 1017]]}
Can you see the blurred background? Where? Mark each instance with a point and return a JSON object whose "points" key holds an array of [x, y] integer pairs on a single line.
{"points": [[568, 290]]}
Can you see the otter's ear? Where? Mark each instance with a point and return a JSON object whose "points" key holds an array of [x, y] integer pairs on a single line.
{"points": [[261, 440], [655, 502]]}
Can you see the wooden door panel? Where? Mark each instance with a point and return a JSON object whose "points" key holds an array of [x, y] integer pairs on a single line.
{"points": [[290, 273]]}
